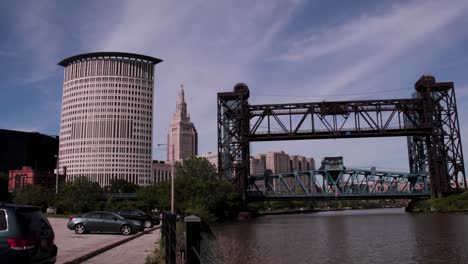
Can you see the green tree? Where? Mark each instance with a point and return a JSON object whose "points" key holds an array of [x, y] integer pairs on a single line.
{"points": [[155, 196], [122, 186], [197, 167], [32, 195], [199, 190], [79, 196]]}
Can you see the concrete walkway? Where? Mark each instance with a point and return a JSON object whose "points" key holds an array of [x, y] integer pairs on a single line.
{"points": [[134, 251]]}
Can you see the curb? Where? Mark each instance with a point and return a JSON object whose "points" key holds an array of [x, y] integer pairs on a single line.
{"points": [[108, 247]]}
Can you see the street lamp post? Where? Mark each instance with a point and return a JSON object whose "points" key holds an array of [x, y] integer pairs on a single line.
{"points": [[172, 175], [56, 181]]}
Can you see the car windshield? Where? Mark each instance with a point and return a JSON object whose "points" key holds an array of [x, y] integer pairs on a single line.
{"points": [[140, 212], [110, 216]]}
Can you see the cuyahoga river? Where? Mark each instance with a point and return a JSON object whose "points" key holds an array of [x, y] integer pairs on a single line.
{"points": [[350, 236]]}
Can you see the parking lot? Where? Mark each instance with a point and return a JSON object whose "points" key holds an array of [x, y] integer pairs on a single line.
{"points": [[71, 245]]}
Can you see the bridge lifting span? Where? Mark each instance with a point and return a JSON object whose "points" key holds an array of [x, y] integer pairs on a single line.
{"points": [[349, 184], [429, 120]]}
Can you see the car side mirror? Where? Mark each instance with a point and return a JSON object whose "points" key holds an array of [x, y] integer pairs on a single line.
{"points": [[115, 219]]}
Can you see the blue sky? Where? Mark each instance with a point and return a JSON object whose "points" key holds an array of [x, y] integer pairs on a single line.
{"points": [[286, 51]]}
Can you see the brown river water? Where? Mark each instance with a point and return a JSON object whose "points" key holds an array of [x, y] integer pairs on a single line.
{"points": [[350, 236]]}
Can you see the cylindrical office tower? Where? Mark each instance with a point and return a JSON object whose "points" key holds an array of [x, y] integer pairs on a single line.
{"points": [[107, 116]]}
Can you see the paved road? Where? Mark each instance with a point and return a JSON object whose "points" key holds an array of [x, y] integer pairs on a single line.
{"points": [[134, 251], [71, 245]]}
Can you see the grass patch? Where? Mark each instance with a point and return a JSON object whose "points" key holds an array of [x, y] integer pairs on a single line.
{"points": [[457, 203]]}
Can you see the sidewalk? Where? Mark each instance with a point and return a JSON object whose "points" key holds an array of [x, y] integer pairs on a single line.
{"points": [[134, 251]]}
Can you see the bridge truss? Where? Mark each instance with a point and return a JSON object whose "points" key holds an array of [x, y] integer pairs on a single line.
{"points": [[429, 120], [350, 183]]}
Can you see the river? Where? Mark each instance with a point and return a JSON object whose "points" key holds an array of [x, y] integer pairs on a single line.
{"points": [[350, 236]]}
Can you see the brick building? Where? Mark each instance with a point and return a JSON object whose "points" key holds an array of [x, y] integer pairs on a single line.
{"points": [[17, 179]]}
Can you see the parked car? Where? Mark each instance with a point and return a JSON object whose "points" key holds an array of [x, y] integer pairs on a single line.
{"points": [[135, 214], [26, 235], [104, 222], [51, 210]]}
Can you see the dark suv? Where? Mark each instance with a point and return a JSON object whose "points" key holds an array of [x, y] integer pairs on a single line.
{"points": [[135, 214], [26, 235]]}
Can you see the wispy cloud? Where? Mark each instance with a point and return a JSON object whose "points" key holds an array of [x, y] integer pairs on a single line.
{"points": [[208, 46], [368, 43], [211, 45]]}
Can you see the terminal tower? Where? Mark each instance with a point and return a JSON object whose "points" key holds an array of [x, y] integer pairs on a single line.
{"points": [[182, 139]]}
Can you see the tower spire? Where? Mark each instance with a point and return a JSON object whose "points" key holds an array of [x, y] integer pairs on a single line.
{"points": [[181, 97]]}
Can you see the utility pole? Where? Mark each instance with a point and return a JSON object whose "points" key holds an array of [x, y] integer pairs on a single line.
{"points": [[56, 181], [172, 173], [172, 180]]}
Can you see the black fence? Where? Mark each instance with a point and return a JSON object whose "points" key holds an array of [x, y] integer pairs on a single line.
{"points": [[190, 252]]}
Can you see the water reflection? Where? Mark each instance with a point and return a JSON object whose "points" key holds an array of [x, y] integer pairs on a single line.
{"points": [[357, 236]]}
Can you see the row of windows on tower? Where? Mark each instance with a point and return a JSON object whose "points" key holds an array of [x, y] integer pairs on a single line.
{"points": [[74, 83], [106, 157], [141, 121], [118, 88], [129, 103], [106, 149], [125, 142], [106, 100], [118, 67], [86, 110]]}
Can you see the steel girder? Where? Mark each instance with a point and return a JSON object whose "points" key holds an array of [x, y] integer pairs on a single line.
{"points": [[430, 121], [233, 146], [443, 144], [341, 119], [350, 184]]}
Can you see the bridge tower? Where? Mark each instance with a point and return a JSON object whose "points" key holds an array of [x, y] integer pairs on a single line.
{"points": [[233, 127], [439, 152]]}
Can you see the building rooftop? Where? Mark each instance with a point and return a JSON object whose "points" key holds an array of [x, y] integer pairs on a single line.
{"points": [[106, 54]]}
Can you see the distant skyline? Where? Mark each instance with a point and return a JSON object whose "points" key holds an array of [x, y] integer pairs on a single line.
{"points": [[285, 51]]}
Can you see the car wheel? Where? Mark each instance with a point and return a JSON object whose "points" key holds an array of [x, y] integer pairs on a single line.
{"points": [[148, 224], [126, 230], [79, 229]]}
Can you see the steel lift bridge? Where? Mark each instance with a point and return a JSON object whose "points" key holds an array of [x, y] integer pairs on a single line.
{"points": [[429, 120]]}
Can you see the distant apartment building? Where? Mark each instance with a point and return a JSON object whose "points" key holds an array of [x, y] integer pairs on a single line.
{"points": [[32, 149], [212, 157], [301, 163], [29, 176], [106, 123], [161, 171], [258, 164], [279, 162], [182, 140]]}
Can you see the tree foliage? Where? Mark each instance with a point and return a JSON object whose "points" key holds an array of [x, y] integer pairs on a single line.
{"points": [[32, 195], [122, 186], [80, 196], [199, 190]]}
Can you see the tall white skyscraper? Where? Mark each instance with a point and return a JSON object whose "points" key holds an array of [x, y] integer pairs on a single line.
{"points": [[182, 139], [107, 116]]}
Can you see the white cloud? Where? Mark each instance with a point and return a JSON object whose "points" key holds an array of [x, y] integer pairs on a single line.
{"points": [[211, 45], [207, 46], [367, 44]]}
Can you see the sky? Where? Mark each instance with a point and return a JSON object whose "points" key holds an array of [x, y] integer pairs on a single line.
{"points": [[285, 51]]}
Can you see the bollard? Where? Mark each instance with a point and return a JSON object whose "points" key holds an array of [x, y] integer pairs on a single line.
{"points": [[172, 238], [192, 239], [166, 235]]}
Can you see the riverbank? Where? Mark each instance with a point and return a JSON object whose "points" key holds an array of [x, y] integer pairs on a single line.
{"points": [[457, 203]]}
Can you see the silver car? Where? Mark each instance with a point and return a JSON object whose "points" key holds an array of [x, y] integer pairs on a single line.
{"points": [[104, 222]]}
